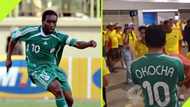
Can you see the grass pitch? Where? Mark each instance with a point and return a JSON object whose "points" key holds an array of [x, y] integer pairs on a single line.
{"points": [[45, 103]]}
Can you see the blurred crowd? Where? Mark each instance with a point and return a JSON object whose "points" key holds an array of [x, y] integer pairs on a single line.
{"points": [[126, 42]]}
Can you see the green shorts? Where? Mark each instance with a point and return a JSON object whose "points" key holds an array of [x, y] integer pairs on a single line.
{"points": [[45, 74]]}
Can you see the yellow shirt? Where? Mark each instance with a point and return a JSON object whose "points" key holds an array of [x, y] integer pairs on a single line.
{"points": [[140, 49], [113, 39], [120, 38], [172, 42], [177, 27], [132, 39]]}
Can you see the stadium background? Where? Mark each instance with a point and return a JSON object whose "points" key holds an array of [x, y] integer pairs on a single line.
{"points": [[81, 20]]}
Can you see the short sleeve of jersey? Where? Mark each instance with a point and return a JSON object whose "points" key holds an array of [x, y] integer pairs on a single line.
{"points": [[67, 40], [132, 69], [180, 70], [21, 34]]}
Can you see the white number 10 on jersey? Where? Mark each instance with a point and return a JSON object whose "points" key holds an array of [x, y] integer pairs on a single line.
{"points": [[35, 48], [154, 90]]}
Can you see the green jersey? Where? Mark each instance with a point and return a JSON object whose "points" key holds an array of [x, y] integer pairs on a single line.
{"points": [[41, 48], [158, 75]]}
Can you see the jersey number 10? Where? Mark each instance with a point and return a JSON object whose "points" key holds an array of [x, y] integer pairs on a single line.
{"points": [[35, 48], [154, 90]]}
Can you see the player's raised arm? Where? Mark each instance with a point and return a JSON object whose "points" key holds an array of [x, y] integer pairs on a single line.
{"points": [[11, 46], [67, 40], [83, 44], [16, 35]]}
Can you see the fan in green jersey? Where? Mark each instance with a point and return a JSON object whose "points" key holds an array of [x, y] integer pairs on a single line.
{"points": [[44, 46], [156, 73]]}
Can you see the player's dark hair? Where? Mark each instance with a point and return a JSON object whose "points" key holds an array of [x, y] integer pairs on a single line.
{"points": [[155, 36], [48, 12], [166, 22], [142, 27]]}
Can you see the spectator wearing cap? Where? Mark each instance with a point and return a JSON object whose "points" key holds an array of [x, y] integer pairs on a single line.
{"points": [[112, 45]]}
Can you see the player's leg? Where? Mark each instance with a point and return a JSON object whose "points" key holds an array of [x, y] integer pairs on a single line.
{"points": [[62, 78], [66, 92], [68, 98], [45, 77], [55, 88]]}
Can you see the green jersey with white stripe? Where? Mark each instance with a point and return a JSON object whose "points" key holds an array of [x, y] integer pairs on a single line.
{"points": [[41, 48], [158, 75]]}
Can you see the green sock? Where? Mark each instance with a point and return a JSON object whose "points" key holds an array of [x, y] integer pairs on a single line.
{"points": [[60, 102]]}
